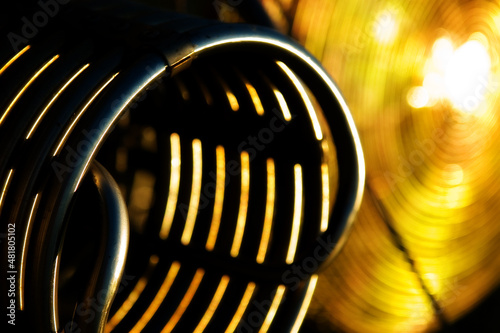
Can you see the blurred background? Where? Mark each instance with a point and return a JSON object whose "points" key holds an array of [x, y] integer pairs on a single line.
{"points": [[422, 81]]}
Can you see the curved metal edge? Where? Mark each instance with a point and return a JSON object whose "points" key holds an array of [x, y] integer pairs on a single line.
{"points": [[110, 266], [178, 52], [217, 38], [120, 95]]}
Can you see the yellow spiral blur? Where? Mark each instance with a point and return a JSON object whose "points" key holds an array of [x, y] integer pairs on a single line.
{"points": [[422, 80]]}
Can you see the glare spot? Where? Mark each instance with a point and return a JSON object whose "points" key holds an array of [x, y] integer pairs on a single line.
{"points": [[418, 97], [453, 174], [442, 52], [434, 83], [433, 282], [385, 26], [459, 76], [467, 74]]}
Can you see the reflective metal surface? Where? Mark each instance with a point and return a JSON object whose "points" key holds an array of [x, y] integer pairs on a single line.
{"points": [[234, 153]]}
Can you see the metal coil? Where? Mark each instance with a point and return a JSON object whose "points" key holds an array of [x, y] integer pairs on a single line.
{"points": [[235, 154]]}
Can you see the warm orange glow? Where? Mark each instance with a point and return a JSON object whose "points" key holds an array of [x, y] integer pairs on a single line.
{"points": [[133, 296], [233, 101], [461, 76], [297, 215], [116, 115], [269, 214], [305, 97], [325, 203], [26, 86], [173, 190], [305, 304], [186, 300], [255, 99], [283, 105], [385, 26], [79, 115], [219, 198], [422, 83], [247, 296], [14, 58], [5, 187], [235, 106], [56, 96], [24, 251], [219, 293], [278, 296], [158, 299], [194, 201], [242, 213]]}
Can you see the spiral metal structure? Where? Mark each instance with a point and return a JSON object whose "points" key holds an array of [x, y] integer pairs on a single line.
{"points": [[161, 172]]}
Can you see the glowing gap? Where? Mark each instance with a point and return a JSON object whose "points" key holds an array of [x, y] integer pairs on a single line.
{"points": [[283, 105], [185, 301], [268, 216], [273, 309], [5, 187], [14, 58], [219, 293], [72, 125], [325, 203], [297, 215], [24, 252], [305, 97], [26, 86], [132, 297], [194, 201], [305, 304], [255, 99], [173, 191], [247, 296], [54, 299], [110, 123], [160, 296], [242, 214], [219, 198], [233, 102], [56, 96]]}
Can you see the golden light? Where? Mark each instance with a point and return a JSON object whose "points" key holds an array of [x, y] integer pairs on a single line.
{"points": [[467, 76], [418, 97], [460, 76], [421, 79], [442, 52], [385, 26]]}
